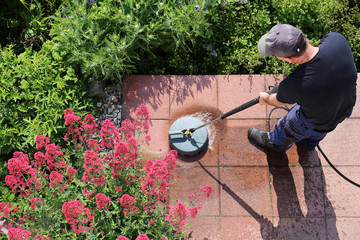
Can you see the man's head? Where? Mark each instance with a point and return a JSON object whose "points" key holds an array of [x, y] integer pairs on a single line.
{"points": [[283, 41]]}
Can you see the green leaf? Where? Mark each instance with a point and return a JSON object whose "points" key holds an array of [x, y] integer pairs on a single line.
{"points": [[24, 84]]}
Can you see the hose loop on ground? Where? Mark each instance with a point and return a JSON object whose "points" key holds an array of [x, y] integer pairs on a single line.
{"points": [[318, 147]]}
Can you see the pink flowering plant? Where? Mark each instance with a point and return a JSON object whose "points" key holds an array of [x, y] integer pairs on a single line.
{"points": [[98, 187]]}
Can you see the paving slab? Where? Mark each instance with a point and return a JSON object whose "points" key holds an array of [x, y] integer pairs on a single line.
{"points": [[300, 228], [297, 192], [245, 228], [234, 147], [235, 90], [246, 191], [348, 227], [204, 228], [292, 195], [342, 145], [343, 200], [191, 94], [153, 91], [190, 181]]}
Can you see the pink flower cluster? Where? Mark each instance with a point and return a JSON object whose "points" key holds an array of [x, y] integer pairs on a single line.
{"points": [[102, 201], [89, 125], [158, 175], [55, 178], [142, 112], [71, 173], [128, 202], [70, 117], [41, 141], [18, 233], [52, 155], [5, 210], [79, 130], [41, 237], [122, 238], [193, 211], [142, 236], [141, 124], [77, 216], [85, 130], [93, 168], [206, 191], [22, 175], [178, 213], [33, 202], [92, 144], [109, 133], [177, 216], [124, 155]]}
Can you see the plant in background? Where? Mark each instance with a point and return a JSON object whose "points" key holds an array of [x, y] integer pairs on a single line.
{"points": [[34, 90], [26, 22], [235, 27], [110, 193], [106, 39], [241, 23]]}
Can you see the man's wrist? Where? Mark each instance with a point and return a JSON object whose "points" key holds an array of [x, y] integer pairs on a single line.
{"points": [[264, 98]]}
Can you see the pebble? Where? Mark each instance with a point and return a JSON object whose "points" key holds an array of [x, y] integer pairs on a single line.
{"points": [[110, 107], [4, 230]]}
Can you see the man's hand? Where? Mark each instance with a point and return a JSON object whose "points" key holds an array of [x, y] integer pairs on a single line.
{"points": [[263, 97], [270, 99]]}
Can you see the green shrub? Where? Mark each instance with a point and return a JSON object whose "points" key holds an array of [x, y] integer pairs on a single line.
{"points": [[34, 91], [106, 40], [230, 45], [26, 22]]}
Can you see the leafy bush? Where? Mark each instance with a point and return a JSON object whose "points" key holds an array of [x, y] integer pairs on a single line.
{"points": [[105, 39], [34, 90], [228, 44], [235, 27], [112, 194], [24, 23]]}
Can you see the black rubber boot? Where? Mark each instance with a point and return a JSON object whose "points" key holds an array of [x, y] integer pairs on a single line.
{"points": [[260, 139]]}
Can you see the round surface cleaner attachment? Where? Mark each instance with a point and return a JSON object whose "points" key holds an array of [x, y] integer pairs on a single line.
{"points": [[188, 144]]}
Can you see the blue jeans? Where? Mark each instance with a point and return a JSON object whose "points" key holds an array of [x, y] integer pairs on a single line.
{"points": [[292, 128]]}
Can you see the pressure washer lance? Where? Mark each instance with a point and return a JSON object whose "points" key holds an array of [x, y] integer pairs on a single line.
{"points": [[188, 132]]}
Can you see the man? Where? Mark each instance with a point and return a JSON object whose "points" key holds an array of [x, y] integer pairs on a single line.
{"points": [[323, 87]]}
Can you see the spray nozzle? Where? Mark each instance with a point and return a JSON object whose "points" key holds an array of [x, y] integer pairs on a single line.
{"points": [[188, 132]]}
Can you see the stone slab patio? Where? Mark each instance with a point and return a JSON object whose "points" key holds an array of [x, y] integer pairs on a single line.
{"points": [[296, 195]]}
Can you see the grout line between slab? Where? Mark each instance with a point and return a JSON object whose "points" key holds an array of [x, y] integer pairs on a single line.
{"points": [[323, 186], [272, 207], [351, 166], [218, 163]]}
